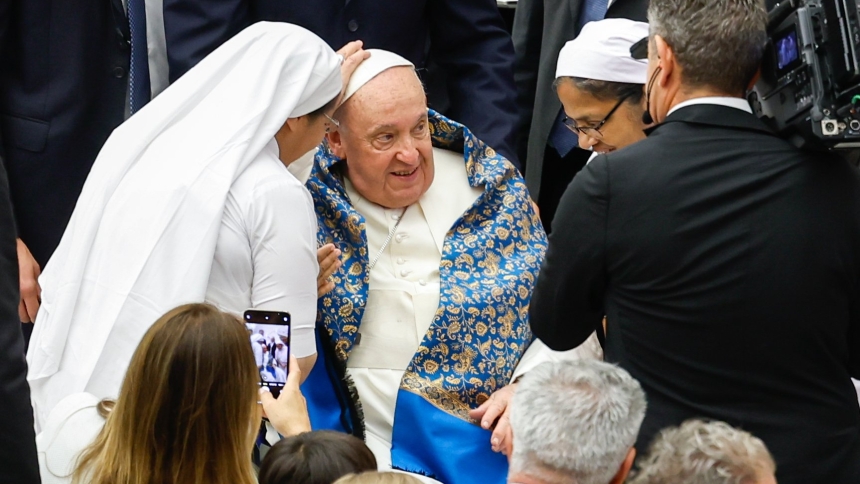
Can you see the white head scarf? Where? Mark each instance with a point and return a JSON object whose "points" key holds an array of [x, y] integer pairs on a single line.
{"points": [[602, 52], [142, 237]]}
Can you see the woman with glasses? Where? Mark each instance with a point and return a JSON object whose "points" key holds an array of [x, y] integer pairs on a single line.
{"points": [[601, 86]]}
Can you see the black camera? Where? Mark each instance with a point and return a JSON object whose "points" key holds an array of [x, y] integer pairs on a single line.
{"points": [[809, 89]]}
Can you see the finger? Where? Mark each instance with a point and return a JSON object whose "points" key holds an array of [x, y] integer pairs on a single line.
{"points": [[478, 413], [351, 62], [324, 252], [22, 313], [350, 48], [32, 303], [498, 440], [294, 377], [325, 289], [266, 399], [494, 411], [330, 265]]}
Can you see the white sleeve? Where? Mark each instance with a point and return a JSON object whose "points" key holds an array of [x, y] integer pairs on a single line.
{"points": [[539, 353], [282, 230]]}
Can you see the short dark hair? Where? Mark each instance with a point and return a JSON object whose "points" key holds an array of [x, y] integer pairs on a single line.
{"points": [[718, 43], [606, 90], [320, 457]]}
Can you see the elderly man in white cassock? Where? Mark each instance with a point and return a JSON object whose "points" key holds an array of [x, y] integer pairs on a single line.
{"points": [[426, 328]]}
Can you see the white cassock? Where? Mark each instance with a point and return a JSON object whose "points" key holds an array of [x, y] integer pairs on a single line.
{"points": [[404, 293]]}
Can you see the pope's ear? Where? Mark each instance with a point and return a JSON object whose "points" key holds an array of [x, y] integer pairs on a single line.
{"points": [[335, 141]]}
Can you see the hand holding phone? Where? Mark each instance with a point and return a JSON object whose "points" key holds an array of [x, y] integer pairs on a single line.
{"points": [[269, 334], [288, 413]]}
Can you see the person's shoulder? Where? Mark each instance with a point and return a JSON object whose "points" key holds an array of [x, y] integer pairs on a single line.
{"points": [[72, 425]]}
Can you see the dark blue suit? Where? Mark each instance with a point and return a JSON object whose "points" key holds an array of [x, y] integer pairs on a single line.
{"points": [[466, 38], [63, 85]]}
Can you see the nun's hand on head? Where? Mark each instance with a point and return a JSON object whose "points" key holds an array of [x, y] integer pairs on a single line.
{"points": [[353, 55], [289, 412]]}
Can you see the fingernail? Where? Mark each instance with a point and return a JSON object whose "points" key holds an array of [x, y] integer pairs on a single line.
{"points": [[264, 390], [485, 424], [495, 442]]}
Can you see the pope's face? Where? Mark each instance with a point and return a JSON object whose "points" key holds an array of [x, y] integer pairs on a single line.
{"points": [[384, 136]]}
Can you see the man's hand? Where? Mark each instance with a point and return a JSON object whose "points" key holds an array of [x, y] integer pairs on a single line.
{"points": [[353, 55], [28, 275], [289, 413], [328, 257], [497, 411]]}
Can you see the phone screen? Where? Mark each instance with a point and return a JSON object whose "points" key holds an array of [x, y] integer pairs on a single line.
{"points": [[269, 333]]}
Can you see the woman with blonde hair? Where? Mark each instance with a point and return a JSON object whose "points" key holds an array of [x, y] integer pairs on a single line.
{"points": [[187, 411]]}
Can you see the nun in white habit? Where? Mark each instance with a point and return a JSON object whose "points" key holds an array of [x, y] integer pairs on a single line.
{"points": [[601, 86], [189, 201]]}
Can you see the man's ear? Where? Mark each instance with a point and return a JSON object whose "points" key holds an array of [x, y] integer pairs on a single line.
{"points": [[667, 60], [335, 142], [624, 470]]}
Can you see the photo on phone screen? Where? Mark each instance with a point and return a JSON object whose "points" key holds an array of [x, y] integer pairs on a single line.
{"points": [[269, 333]]}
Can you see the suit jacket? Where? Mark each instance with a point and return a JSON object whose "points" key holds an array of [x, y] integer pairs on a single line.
{"points": [[727, 265], [541, 28], [62, 91], [466, 38], [17, 439]]}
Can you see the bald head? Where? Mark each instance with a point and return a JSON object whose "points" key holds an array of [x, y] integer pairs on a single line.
{"points": [[385, 139]]}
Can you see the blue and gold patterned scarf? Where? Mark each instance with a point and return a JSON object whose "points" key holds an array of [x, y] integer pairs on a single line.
{"points": [[490, 260]]}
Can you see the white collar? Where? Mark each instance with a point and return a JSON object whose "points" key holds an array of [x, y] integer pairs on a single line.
{"points": [[731, 102]]}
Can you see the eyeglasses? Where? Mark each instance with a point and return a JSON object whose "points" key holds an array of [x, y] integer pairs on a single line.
{"points": [[333, 121], [593, 131]]}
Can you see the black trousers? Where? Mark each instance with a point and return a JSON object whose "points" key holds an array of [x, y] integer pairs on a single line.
{"points": [[557, 173]]}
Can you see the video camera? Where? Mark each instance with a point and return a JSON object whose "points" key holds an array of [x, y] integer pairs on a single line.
{"points": [[809, 89]]}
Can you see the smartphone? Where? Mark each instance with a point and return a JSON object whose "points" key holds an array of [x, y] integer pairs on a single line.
{"points": [[269, 333]]}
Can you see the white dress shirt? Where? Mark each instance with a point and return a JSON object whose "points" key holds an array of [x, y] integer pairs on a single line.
{"points": [[731, 102], [266, 254]]}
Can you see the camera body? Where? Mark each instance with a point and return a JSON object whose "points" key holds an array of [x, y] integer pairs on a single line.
{"points": [[809, 89]]}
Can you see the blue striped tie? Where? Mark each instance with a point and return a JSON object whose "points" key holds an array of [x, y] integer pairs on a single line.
{"points": [[138, 76], [591, 11]]}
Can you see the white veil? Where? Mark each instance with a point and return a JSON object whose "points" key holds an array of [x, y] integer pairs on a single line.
{"points": [[142, 236]]}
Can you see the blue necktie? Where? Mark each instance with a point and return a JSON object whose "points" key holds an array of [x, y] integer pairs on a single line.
{"points": [[138, 75], [591, 10], [561, 138]]}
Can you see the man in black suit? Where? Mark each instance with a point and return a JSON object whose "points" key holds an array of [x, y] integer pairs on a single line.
{"points": [[725, 260], [465, 38], [63, 86], [547, 149], [18, 462]]}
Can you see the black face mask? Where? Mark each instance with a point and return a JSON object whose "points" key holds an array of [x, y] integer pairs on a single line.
{"points": [[646, 117]]}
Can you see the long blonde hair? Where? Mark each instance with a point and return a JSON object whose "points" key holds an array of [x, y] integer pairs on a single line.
{"points": [[186, 412]]}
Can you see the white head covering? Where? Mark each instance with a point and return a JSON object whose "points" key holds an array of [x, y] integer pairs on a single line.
{"points": [[602, 52], [283, 331], [379, 62], [142, 237]]}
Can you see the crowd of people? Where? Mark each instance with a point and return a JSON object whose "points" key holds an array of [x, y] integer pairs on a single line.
{"points": [[638, 283]]}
